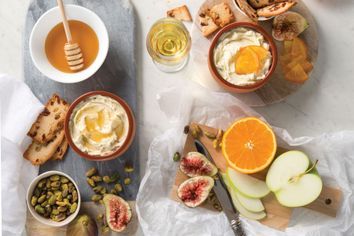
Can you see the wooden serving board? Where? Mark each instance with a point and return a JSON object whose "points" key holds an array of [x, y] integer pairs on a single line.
{"points": [[277, 88], [278, 216], [117, 75]]}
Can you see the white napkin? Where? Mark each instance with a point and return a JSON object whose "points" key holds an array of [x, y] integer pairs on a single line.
{"points": [[18, 108], [158, 215]]}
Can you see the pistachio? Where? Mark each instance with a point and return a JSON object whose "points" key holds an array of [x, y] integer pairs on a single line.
{"points": [[43, 204], [118, 187], [59, 217], [39, 209], [59, 196], [91, 172], [99, 217], [69, 197], [62, 208], [97, 189], [91, 182], [127, 181], [103, 191], [75, 196], [64, 180], [59, 203], [209, 135], [96, 178], [96, 197], [55, 184], [105, 229], [176, 156], [47, 184], [55, 212], [106, 179], [113, 191], [54, 178], [41, 183], [48, 209], [65, 192], [34, 200], [73, 207], [128, 168], [114, 177], [52, 200], [71, 187], [37, 192], [41, 198]]}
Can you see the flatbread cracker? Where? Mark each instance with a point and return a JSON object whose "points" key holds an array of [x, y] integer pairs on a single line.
{"points": [[207, 25], [180, 13], [248, 9], [221, 14], [38, 153], [61, 150], [276, 8], [49, 121]]}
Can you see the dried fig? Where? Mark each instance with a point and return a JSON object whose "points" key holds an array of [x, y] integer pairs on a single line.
{"points": [[118, 212], [288, 25], [195, 191], [196, 164]]}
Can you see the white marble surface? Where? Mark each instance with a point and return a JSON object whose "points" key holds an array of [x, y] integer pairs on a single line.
{"points": [[324, 104]]}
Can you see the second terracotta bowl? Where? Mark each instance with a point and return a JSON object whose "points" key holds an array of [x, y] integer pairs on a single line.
{"points": [[247, 88], [130, 135]]}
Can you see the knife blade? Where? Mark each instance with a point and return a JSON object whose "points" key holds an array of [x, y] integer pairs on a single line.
{"points": [[223, 195]]}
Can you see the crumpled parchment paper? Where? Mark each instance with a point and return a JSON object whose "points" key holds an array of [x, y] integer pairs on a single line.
{"points": [[158, 215], [18, 108]]}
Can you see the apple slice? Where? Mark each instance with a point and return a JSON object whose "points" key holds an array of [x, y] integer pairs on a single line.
{"points": [[247, 185], [284, 167], [294, 183], [300, 193], [237, 204], [251, 204]]}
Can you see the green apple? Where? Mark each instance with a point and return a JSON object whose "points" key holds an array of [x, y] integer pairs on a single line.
{"points": [[251, 204], [246, 184], [294, 179], [237, 204]]}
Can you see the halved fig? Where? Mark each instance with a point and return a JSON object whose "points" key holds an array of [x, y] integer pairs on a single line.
{"points": [[118, 212], [196, 164], [288, 25], [195, 191]]}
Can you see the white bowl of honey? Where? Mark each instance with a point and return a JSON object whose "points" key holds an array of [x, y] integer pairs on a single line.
{"points": [[47, 42]]}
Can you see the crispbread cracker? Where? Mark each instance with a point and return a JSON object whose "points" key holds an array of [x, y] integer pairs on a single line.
{"points": [[276, 8], [248, 9], [38, 153], [207, 25], [61, 150], [180, 13], [221, 14], [49, 121]]}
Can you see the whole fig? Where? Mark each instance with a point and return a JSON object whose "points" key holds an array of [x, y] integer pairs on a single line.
{"points": [[83, 225]]}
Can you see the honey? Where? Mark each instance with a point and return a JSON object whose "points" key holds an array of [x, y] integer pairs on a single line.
{"points": [[82, 34]]}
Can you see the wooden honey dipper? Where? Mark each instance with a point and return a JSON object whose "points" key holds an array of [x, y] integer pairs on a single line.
{"points": [[72, 50]]}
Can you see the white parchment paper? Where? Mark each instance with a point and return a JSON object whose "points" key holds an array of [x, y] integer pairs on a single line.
{"points": [[158, 215], [19, 108]]}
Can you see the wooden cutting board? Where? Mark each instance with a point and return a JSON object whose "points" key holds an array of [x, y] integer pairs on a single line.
{"points": [[278, 216]]}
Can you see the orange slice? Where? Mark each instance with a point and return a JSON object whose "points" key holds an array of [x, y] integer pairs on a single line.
{"points": [[299, 47], [296, 74], [249, 145], [246, 61], [261, 52]]}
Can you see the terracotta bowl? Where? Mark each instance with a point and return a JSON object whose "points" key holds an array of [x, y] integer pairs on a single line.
{"points": [[131, 131], [246, 88]]}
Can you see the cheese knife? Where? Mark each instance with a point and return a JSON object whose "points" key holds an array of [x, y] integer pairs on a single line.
{"points": [[223, 195]]}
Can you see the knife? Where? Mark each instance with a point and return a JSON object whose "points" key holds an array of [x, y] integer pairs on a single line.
{"points": [[223, 195]]}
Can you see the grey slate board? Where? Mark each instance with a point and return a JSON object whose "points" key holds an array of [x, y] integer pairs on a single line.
{"points": [[117, 75]]}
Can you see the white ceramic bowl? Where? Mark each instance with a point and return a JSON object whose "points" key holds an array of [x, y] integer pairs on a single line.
{"points": [[50, 19], [40, 218]]}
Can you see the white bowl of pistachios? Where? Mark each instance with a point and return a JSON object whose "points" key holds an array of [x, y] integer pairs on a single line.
{"points": [[53, 198]]}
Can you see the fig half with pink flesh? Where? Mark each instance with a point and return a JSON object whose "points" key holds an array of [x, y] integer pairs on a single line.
{"points": [[288, 25], [196, 164], [118, 212], [195, 191]]}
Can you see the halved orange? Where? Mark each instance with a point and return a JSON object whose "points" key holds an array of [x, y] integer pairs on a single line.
{"points": [[249, 145]]}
